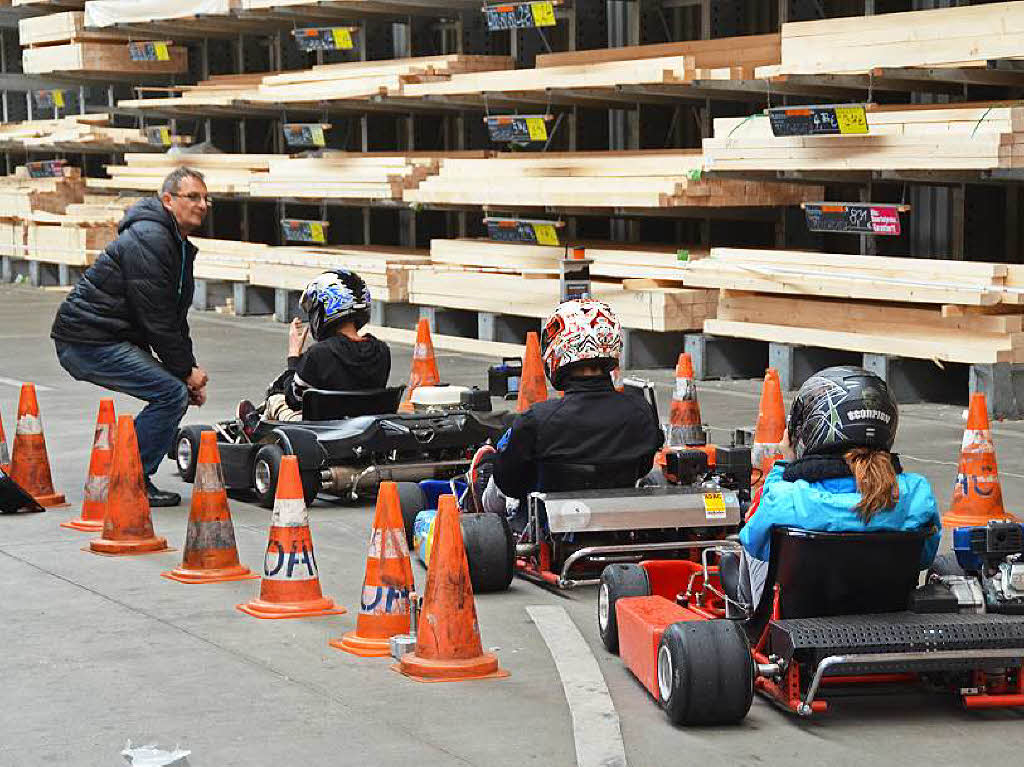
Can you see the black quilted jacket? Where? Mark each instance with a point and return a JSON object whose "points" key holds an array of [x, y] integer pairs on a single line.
{"points": [[139, 290]]}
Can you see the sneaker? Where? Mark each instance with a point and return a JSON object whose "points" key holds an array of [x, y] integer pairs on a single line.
{"points": [[160, 498], [248, 418]]}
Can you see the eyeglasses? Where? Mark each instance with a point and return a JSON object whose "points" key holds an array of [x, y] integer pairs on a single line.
{"points": [[195, 197]]}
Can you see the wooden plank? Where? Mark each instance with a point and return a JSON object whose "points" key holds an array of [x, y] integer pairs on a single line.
{"points": [[98, 58], [750, 48]]}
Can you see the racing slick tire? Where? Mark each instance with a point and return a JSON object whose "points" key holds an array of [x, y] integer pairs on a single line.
{"points": [[705, 672], [186, 450], [410, 498], [620, 580], [946, 564], [490, 551], [266, 467]]}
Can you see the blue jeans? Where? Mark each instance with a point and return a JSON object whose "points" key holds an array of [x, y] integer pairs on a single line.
{"points": [[126, 368]]}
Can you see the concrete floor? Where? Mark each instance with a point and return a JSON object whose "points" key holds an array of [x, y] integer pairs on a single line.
{"points": [[96, 651]]}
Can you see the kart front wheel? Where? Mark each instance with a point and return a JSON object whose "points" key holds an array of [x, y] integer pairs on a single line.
{"points": [[412, 501], [186, 450], [490, 551], [619, 580], [705, 672], [265, 470]]}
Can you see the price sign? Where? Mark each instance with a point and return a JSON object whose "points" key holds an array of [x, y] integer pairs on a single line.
{"points": [[304, 134], [301, 230], [158, 135], [518, 129], [149, 51], [324, 38], [49, 99], [854, 217], [519, 15], [522, 230], [46, 168], [833, 120]]}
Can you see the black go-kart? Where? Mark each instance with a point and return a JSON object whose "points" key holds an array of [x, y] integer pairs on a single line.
{"points": [[347, 444]]}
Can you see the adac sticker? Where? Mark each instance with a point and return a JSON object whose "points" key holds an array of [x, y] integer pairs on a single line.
{"points": [[714, 506]]}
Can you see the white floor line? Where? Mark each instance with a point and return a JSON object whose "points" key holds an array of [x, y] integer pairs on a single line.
{"points": [[13, 382], [595, 723]]}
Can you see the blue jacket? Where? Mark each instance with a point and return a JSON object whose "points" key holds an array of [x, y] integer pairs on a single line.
{"points": [[829, 506]]}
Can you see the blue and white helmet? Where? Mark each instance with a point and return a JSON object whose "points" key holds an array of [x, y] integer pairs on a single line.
{"points": [[335, 296]]}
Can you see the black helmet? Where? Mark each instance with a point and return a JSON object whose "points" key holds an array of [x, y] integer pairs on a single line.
{"points": [[335, 296], [840, 408]]}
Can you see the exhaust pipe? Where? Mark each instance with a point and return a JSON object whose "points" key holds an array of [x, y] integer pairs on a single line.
{"points": [[353, 480]]}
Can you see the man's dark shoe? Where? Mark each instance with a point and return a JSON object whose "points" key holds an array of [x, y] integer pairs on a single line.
{"points": [[158, 498]]}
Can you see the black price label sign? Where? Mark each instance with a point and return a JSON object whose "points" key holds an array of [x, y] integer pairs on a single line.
{"points": [[519, 230], [149, 51], [324, 38], [301, 230], [854, 218], [48, 99], [46, 168], [304, 134], [518, 129], [833, 120], [520, 16]]}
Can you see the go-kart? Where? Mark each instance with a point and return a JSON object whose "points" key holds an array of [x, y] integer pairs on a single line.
{"points": [[841, 611], [584, 519], [348, 443]]}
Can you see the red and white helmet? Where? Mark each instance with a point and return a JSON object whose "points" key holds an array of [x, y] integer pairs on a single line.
{"points": [[584, 330]]}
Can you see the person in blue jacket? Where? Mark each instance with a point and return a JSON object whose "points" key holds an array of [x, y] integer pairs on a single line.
{"points": [[839, 473]]}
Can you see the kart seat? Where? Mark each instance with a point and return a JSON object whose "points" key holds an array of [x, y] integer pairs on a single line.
{"points": [[823, 574], [568, 477], [322, 405]]}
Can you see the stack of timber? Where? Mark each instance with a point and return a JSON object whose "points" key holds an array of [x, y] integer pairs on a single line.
{"points": [[61, 42], [964, 37], [48, 5], [350, 175], [77, 133], [206, 96], [951, 311], [641, 283], [642, 179], [225, 174], [21, 196], [976, 136], [73, 239]]}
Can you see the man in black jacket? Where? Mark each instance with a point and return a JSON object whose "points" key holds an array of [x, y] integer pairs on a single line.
{"points": [[131, 304]]}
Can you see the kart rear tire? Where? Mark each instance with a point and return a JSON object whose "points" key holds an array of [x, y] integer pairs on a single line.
{"points": [[186, 450], [490, 551], [705, 672], [946, 564], [412, 501], [619, 580]]}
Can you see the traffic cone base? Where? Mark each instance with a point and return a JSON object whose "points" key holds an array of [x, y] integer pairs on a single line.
{"points": [[185, 575], [83, 525], [484, 666], [977, 494], [259, 608], [105, 548], [354, 644]]}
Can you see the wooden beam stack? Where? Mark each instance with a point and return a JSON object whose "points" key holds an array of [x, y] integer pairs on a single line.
{"points": [[953, 311], [77, 133], [643, 179], [923, 137], [224, 173]]}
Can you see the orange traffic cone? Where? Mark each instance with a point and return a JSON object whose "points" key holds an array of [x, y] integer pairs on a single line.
{"points": [[94, 506], [977, 494], [771, 423], [291, 582], [30, 466], [448, 644], [210, 554], [127, 526], [5, 457], [533, 387], [424, 364], [684, 415], [384, 608]]}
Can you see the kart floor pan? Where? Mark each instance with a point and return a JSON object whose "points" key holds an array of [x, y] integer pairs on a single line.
{"points": [[812, 639]]}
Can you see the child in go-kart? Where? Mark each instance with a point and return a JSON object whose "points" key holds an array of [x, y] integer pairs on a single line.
{"points": [[338, 305], [838, 473], [591, 424]]}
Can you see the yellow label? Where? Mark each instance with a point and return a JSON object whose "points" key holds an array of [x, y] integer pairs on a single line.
{"points": [[162, 54], [316, 231], [545, 234], [165, 136], [543, 14], [714, 505], [852, 119], [58, 98], [538, 128], [342, 38], [317, 132]]}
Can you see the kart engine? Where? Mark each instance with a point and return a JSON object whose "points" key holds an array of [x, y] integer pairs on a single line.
{"points": [[433, 399], [992, 558]]}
